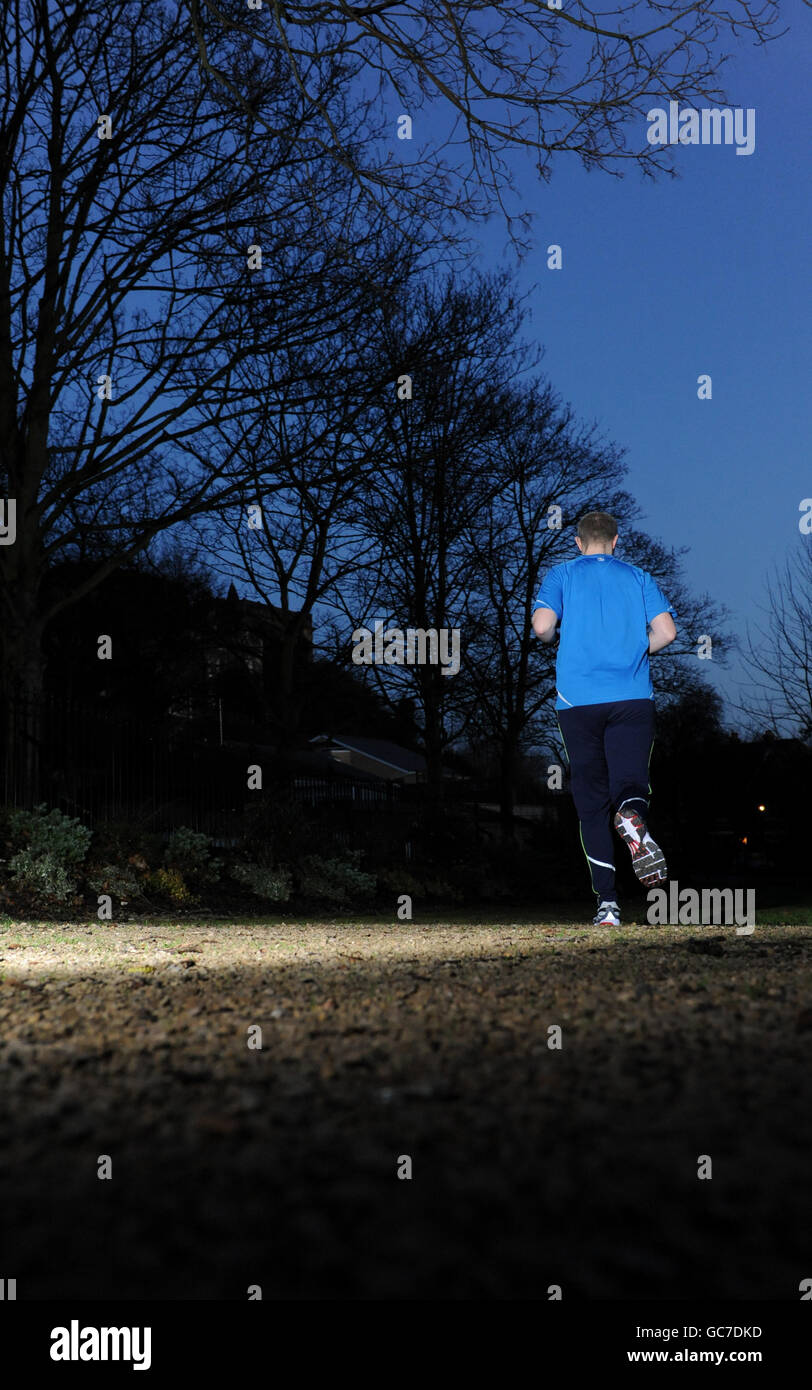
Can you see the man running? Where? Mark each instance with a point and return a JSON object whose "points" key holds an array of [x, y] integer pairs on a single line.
{"points": [[613, 616]]}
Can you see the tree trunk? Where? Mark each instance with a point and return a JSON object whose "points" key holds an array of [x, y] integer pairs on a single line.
{"points": [[283, 690], [22, 688], [433, 739], [508, 772]]}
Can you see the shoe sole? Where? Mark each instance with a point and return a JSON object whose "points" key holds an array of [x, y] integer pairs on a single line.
{"points": [[648, 861]]}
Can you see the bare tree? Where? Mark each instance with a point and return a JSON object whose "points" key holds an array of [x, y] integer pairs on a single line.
{"points": [[456, 345], [292, 540], [489, 79], [779, 653], [129, 199]]}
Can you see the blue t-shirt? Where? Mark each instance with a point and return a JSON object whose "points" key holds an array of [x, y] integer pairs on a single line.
{"points": [[604, 607]]}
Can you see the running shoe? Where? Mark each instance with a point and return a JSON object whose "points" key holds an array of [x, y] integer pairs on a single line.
{"points": [[648, 860], [608, 915]]}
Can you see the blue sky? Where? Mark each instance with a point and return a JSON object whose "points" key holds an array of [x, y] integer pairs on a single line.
{"points": [[707, 273]]}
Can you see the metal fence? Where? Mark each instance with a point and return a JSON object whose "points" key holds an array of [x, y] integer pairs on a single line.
{"points": [[105, 767], [345, 791]]}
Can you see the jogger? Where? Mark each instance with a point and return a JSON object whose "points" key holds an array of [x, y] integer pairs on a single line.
{"points": [[612, 616]]}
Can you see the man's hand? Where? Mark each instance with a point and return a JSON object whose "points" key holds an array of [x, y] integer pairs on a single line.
{"points": [[544, 621], [662, 631]]}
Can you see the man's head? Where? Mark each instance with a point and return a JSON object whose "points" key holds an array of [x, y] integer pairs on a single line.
{"points": [[596, 534]]}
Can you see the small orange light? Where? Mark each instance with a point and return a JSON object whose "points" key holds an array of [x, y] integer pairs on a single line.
{"points": [[744, 839], [762, 808]]}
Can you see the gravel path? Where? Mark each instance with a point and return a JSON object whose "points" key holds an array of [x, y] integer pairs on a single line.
{"points": [[532, 1165]]}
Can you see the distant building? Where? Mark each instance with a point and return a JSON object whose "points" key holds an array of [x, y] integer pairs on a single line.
{"points": [[368, 757], [247, 634], [239, 649]]}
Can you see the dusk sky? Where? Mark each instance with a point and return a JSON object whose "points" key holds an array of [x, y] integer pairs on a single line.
{"points": [[706, 273]]}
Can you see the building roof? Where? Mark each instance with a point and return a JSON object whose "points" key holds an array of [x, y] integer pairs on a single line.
{"points": [[261, 615], [318, 763], [403, 759]]}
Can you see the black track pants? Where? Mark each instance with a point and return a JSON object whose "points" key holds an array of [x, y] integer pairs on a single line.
{"points": [[608, 748]]}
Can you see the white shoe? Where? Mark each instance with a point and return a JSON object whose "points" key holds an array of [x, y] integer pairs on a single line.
{"points": [[608, 915], [648, 860]]}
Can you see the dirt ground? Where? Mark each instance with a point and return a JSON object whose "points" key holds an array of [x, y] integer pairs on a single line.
{"points": [[531, 1164]]}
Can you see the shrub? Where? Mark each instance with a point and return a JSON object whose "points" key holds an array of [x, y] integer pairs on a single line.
{"points": [[114, 879], [442, 891], [43, 876], [188, 853], [52, 846], [280, 831], [480, 882], [127, 842], [170, 883], [50, 832], [334, 880], [400, 881], [274, 884]]}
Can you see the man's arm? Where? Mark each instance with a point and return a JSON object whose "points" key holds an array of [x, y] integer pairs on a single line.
{"points": [[662, 631], [544, 621]]}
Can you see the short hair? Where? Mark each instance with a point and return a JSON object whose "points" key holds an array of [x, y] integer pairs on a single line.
{"points": [[597, 526]]}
